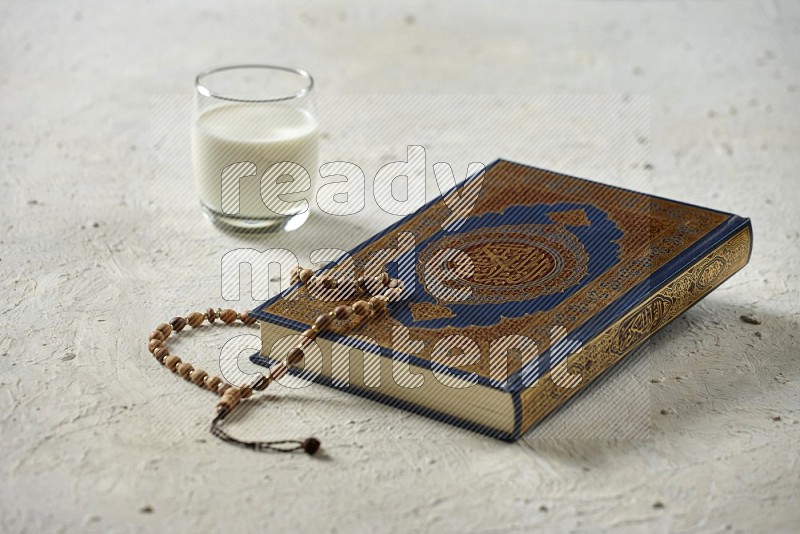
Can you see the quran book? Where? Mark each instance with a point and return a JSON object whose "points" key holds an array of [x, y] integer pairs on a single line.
{"points": [[521, 286]]}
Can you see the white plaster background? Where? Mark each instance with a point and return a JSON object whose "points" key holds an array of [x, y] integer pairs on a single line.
{"points": [[96, 248]]}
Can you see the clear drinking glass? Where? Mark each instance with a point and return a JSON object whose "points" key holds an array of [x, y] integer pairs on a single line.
{"points": [[254, 146]]}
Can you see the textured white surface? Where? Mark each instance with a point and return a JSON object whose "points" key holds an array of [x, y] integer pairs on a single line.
{"points": [[94, 251]]}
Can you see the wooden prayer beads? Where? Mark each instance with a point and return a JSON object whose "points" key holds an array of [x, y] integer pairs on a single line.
{"points": [[231, 396]]}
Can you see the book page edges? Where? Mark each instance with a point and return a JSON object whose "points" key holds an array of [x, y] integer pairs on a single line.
{"points": [[364, 372]]}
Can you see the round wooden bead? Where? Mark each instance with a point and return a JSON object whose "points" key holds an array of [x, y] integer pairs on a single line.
{"points": [[309, 334], [232, 395], [385, 279], [361, 307], [246, 391], [178, 323], [311, 446], [307, 338], [212, 383], [327, 282], [294, 356], [343, 312], [378, 304], [183, 369], [160, 353], [394, 293], [261, 384], [323, 321], [171, 362], [305, 275], [229, 400], [227, 315], [294, 274], [165, 329], [195, 319], [361, 285], [153, 344], [393, 284], [211, 315], [199, 376], [155, 334], [246, 318], [277, 371]]}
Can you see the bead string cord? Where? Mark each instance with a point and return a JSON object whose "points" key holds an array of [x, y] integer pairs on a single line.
{"points": [[373, 297]]}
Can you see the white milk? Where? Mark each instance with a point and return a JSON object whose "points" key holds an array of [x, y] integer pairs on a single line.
{"points": [[258, 133]]}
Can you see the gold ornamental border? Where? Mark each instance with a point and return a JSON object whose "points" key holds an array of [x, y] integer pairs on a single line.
{"points": [[599, 354]]}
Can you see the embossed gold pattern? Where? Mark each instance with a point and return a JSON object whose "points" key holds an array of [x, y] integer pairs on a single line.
{"points": [[510, 263], [570, 217], [425, 311], [629, 332]]}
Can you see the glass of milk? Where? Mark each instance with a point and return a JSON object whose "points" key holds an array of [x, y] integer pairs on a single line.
{"points": [[254, 146]]}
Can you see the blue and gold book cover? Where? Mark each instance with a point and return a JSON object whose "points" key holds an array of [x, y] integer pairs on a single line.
{"points": [[520, 287]]}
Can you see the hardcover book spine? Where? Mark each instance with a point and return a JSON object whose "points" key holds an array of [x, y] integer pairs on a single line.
{"points": [[630, 331]]}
